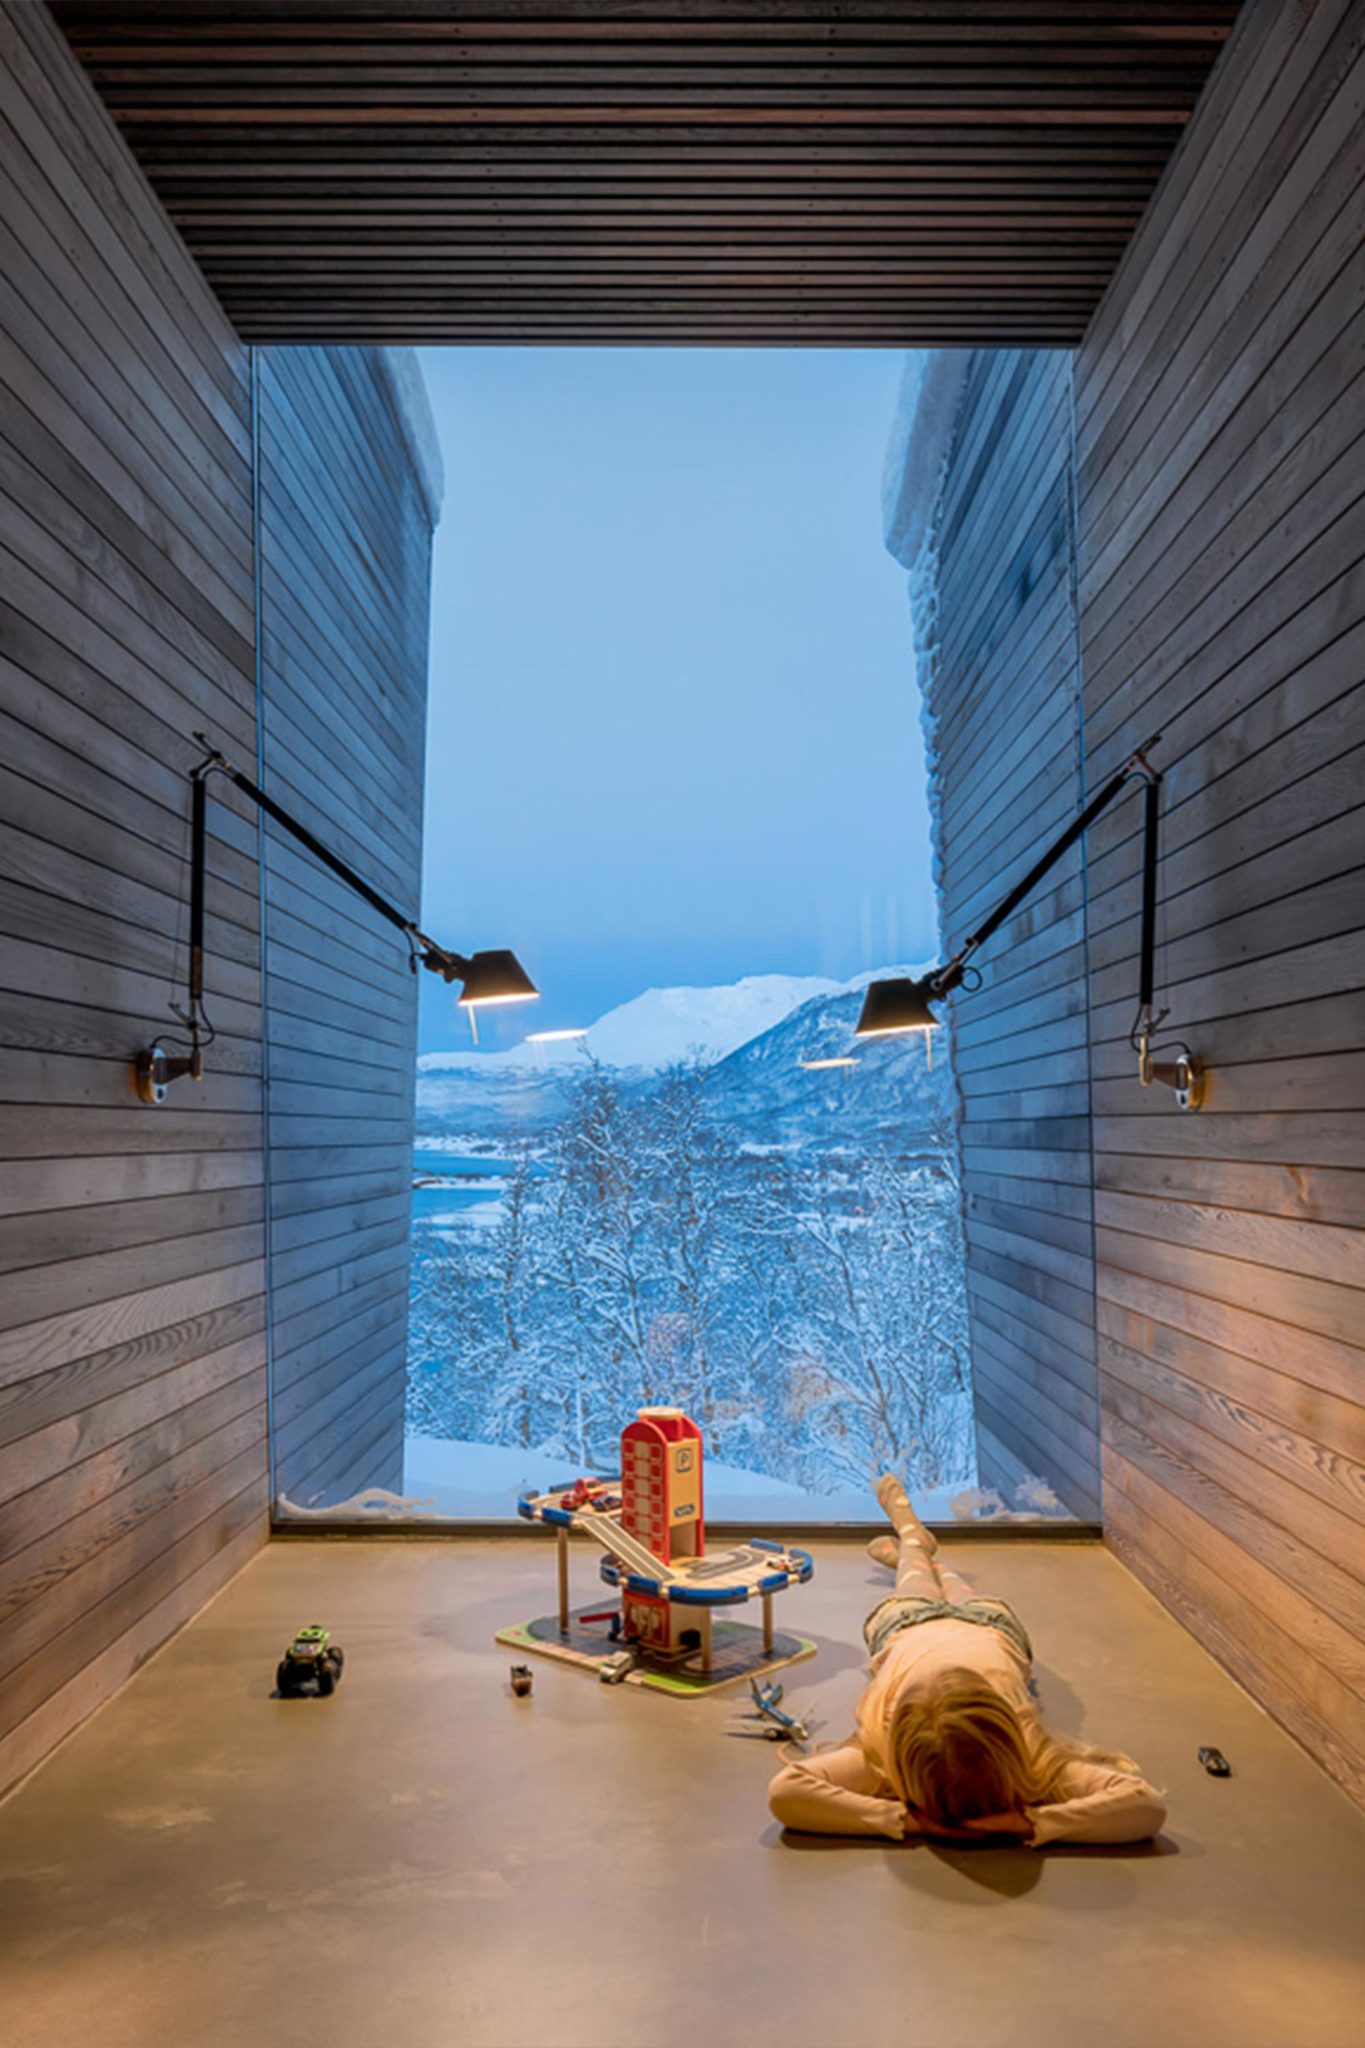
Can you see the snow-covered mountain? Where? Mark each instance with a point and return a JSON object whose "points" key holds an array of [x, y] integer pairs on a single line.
{"points": [[522, 1089], [769, 1091], [655, 1029], [754, 1035], [669, 1024]]}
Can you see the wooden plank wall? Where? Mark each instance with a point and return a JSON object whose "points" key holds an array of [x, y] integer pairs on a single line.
{"points": [[1220, 403], [132, 1307], [133, 1276], [346, 555], [1003, 701]]}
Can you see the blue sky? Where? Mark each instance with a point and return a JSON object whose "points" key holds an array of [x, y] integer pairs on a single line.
{"points": [[674, 732]]}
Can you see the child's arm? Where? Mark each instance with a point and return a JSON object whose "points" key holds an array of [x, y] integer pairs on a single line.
{"points": [[835, 1793], [1104, 1805]]}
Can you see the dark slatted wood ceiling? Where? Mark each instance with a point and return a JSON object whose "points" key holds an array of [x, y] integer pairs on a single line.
{"points": [[757, 172]]}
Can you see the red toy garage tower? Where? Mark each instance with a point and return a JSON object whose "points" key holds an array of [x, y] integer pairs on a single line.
{"points": [[661, 1507]]}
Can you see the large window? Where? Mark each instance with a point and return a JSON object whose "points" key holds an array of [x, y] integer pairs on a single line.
{"points": [[675, 761]]}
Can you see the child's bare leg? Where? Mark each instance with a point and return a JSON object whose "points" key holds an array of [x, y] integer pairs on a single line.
{"points": [[916, 1571], [908, 1556], [895, 1504]]}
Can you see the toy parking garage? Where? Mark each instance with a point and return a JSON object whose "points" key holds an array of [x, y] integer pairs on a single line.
{"points": [[649, 1520]]}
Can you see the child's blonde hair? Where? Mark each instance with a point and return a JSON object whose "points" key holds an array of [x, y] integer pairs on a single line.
{"points": [[955, 1750]]}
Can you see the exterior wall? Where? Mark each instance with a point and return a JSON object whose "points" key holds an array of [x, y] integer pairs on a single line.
{"points": [[1220, 403], [1002, 696], [346, 557], [133, 1278], [1218, 420], [132, 1306]]}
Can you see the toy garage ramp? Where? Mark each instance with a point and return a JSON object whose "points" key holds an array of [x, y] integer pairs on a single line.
{"points": [[640, 1563]]}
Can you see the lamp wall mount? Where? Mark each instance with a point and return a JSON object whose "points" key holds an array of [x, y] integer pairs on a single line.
{"points": [[156, 1069], [1185, 1074]]}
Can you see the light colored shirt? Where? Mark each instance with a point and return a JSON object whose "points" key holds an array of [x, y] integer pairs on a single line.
{"points": [[841, 1792]]}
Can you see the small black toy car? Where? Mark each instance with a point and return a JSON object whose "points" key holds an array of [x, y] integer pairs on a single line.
{"points": [[312, 1660]]}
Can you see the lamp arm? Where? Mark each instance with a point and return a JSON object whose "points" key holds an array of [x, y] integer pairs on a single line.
{"points": [[1151, 816], [950, 976], [1184, 1074], [215, 762], [156, 1068]]}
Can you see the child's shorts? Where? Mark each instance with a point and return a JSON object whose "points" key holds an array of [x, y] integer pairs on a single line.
{"points": [[906, 1610]]}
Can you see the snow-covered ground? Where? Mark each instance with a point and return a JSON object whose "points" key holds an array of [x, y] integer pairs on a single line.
{"points": [[482, 1482]]}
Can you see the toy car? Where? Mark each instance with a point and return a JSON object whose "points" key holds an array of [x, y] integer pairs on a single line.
{"points": [[521, 1680], [583, 1493], [613, 1669], [312, 1659]]}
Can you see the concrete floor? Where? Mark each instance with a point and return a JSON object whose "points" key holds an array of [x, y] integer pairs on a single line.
{"points": [[425, 1862]]}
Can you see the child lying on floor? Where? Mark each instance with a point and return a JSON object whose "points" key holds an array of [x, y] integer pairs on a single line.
{"points": [[948, 1741]]}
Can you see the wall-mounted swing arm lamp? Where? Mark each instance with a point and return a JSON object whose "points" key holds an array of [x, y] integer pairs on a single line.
{"points": [[905, 1005], [487, 978]]}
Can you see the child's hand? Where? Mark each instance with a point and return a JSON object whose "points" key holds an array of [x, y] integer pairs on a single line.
{"points": [[1000, 1824], [1016, 1824]]}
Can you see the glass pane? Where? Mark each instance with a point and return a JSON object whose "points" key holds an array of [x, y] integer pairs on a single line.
{"points": [[675, 760]]}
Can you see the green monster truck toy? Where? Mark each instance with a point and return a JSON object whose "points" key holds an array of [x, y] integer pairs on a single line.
{"points": [[312, 1659]]}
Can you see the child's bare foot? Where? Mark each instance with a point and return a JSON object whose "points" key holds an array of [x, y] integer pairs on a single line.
{"points": [[884, 1550], [895, 1504]]}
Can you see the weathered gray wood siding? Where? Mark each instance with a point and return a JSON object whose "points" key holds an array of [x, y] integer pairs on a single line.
{"points": [[132, 1306], [1219, 422], [346, 557], [1003, 695], [1220, 401], [133, 1319]]}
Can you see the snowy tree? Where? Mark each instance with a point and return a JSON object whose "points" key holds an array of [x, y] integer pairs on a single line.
{"points": [[804, 1299]]}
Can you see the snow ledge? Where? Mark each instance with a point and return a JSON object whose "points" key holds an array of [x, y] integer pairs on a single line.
{"points": [[402, 370], [918, 446]]}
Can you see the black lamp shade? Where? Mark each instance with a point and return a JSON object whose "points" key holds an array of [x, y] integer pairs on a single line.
{"points": [[891, 1006], [496, 977]]}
